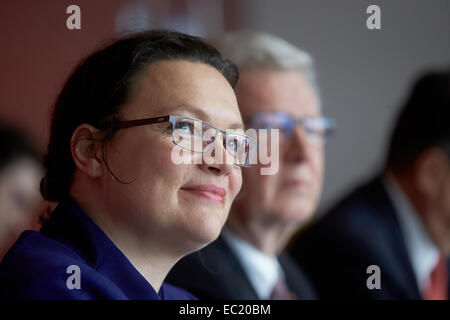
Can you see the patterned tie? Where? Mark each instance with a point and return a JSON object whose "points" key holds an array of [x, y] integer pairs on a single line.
{"points": [[281, 292], [437, 288]]}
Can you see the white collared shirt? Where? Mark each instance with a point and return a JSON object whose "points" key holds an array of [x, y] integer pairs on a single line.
{"points": [[423, 253], [262, 270]]}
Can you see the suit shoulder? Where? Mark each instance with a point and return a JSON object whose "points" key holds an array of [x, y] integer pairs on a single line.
{"points": [[296, 278], [362, 222], [37, 267], [210, 273], [204, 265], [32, 249], [365, 208]]}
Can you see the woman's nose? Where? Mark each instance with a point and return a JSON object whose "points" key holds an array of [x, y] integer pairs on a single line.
{"points": [[215, 158]]}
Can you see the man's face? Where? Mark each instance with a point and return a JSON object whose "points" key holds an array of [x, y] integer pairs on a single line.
{"points": [[440, 202], [428, 183], [292, 194], [445, 199]]}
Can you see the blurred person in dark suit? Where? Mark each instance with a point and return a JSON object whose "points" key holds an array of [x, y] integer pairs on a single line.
{"points": [[20, 173], [276, 90], [398, 222]]}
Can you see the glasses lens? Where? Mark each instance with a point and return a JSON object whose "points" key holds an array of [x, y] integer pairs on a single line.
{"points": [[242, 148], [274, 120], [209, 136], [319, 128], [187, 133], [198, 136]]}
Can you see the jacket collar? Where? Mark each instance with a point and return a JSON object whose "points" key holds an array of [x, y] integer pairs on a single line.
{"points": [[71, 226]]}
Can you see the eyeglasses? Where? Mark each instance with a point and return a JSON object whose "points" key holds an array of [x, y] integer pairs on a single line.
{"points": [[317, 129], [199, 136]]}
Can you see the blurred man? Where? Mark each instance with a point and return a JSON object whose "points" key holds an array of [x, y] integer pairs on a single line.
{"points": [[276, 90], [389, 238], [20, 173]]}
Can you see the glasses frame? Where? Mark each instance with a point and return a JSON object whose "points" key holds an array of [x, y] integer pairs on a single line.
{"points": [[330, 130], [123, 124]]}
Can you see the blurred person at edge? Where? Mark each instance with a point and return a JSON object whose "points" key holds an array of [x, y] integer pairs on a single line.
{"points": [[398, 223], [127, 212], [276, 90], [20, 173]]}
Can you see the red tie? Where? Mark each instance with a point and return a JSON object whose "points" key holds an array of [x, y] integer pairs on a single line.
{"points": [[281, 292], [437, 287]]}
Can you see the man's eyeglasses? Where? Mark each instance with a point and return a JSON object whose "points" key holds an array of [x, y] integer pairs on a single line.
{"points": [[199, 136], [317, 129]]}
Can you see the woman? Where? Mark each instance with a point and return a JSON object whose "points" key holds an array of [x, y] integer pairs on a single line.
{"points": [[127, 211]]}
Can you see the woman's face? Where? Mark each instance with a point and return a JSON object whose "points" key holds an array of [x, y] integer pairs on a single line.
{"points": [[160, 199]]}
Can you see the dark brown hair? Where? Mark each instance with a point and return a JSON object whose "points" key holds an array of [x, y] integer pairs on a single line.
{"points": [[423, 122]]}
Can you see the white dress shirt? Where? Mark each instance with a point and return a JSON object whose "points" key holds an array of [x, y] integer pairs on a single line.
{"points": [[423, 254], [262, 270]]}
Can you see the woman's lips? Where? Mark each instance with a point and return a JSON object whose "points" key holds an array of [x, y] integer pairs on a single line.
{"points": [[207, 191]]}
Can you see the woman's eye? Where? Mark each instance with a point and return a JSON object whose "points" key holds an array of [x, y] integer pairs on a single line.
{"points": [[184, 126]]}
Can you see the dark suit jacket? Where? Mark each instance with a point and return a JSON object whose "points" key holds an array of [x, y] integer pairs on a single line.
{"points": [[36, 266], [215, 273], [360, 231]]}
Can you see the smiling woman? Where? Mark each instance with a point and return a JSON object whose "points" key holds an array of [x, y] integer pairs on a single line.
{"points": [[126, 212]]}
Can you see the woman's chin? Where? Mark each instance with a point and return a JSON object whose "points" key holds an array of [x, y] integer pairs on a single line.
{"points": [[203, 235]]}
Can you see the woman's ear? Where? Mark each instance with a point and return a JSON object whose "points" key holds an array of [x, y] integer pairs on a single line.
{"points": [[85, 146]]}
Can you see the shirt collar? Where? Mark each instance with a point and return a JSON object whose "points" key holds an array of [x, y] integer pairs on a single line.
{"points": [[423, 253], [262, 270]]}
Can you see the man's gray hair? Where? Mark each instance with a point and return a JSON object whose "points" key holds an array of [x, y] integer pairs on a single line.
{"points": [[251, 50]]}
